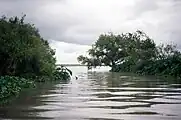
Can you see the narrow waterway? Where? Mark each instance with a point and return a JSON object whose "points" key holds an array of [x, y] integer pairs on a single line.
{"points": [[99, 95]]}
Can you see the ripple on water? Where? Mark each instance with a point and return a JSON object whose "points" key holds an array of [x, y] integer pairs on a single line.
{"points": [[102, 96]]}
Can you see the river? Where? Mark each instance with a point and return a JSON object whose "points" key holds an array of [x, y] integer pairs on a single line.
{"points": [[99, 95]]}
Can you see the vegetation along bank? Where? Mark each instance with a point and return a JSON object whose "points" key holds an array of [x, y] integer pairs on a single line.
{"points": [[25, 58], [133, 52]]}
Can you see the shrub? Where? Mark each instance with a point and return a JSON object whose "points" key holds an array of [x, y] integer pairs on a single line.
{"points": [[11, 86]]}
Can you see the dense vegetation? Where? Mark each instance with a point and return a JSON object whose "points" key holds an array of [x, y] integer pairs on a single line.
{"points": [[25, 57], [133, 52]]}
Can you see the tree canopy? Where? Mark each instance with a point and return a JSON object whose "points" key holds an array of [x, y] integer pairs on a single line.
{"points": [[23, 50], [111, 49], [25, 57], [131, 52]]}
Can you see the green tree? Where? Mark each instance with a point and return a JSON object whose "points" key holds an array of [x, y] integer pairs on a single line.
{"points": [[25, 57], [113, 50], [23, 51]]}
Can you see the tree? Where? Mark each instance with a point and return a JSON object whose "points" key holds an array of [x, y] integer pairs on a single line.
{"points": [[23, 51], [134, 52], [113, 50], [25, 57]]}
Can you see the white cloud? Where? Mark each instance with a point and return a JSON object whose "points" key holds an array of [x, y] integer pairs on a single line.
{"points": [[67, 53]]}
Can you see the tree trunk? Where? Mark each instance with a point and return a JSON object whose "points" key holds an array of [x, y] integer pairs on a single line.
{"points": [[113, 66]]}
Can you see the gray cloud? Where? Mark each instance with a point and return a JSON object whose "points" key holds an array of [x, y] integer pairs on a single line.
{"points": [[144, 6], [82, 21]]}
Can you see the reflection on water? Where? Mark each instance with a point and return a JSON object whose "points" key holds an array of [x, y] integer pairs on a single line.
{"points": [[100, 96]]}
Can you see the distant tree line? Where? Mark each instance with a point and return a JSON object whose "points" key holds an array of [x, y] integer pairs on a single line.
{"points": [[25, 57], [133, 52]]}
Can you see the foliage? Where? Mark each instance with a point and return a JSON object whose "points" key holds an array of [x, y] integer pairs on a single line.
{"points": [[133, 52], [11, 86], [25, 54], [112, 50], [22, 50], [62, 73], [169, 66]]}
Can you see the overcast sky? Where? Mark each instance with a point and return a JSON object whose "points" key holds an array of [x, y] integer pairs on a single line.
{"points": [[73, 25]]}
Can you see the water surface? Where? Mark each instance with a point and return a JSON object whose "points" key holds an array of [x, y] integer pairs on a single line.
{"points": [[99, 95]]}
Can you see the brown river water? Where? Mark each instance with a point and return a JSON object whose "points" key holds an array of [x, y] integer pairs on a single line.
{"points": [[99, 95]]}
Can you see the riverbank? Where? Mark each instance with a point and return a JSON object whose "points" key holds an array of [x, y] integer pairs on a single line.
{"points": [[11, 87], [25, 58]]}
